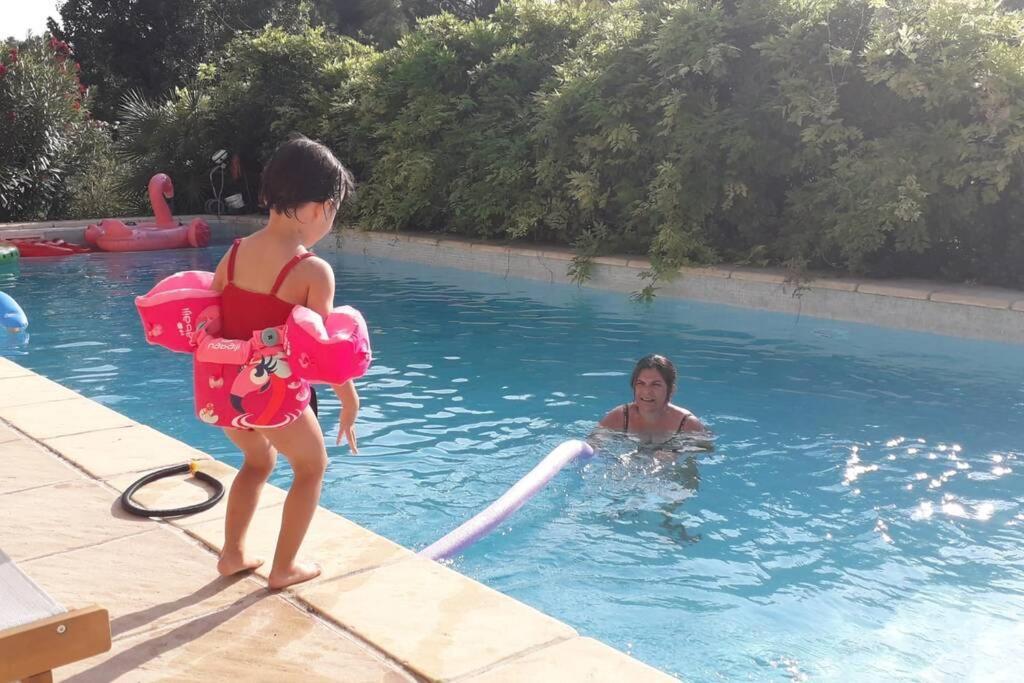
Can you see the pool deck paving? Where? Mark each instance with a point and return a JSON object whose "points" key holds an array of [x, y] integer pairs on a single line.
{"points": [[378, 612]]}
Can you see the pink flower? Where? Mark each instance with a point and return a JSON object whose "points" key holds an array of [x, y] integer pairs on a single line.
{"points": [[3, 70], [60, 47], [13, 55]]}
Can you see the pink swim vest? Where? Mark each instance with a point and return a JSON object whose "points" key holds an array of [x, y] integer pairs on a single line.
{"points": [[263, 380]]}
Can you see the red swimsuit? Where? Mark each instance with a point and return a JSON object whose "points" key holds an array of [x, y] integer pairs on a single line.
{"points": [[262, 392], [244, 311]]}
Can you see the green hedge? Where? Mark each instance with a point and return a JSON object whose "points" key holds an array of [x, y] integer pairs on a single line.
{"points": [[858, 136], [880, 137]]}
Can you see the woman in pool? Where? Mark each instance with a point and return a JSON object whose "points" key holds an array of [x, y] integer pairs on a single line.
{"points": [[650, 416], [668, 434]]}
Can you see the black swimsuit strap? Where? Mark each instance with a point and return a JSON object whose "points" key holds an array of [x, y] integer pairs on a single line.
{"points": [[625, 419]]}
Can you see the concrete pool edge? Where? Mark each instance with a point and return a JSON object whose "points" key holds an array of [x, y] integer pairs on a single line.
{"points": [[974, 312], [987, 313], [222, 228], [426, 617]]}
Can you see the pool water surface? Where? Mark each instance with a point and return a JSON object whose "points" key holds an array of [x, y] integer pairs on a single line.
{"points": [[859, 519]]}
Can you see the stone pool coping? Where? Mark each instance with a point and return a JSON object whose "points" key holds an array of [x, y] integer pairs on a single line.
{"points": [[976, 312], [431, 621], [222, 228]]}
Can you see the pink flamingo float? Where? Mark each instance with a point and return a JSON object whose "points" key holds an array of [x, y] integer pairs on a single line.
{"points": [[164, 232]]}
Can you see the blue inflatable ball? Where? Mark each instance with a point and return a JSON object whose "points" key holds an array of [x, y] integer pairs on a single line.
{"points": [[11, 315]]}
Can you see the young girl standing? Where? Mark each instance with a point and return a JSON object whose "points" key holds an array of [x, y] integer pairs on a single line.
{"points": [[261, 278]]}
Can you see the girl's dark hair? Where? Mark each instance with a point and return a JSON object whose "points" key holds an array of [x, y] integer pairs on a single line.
{"points": [[302, 171], [657, 362]]}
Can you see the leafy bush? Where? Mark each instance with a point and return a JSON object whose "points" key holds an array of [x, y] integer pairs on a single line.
{"points": [[926, 176], [99, 187], [263, 87], [439, 126], [169, 137], [42, 123], [866, 136]]}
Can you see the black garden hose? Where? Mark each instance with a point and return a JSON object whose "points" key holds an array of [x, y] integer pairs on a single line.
{"points": [[189, 467]]}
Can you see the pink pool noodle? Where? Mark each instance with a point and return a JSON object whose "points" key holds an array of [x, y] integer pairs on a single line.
{"points": [[497, 512]]}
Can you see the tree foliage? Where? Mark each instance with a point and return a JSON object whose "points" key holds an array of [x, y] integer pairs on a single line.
{"points": [[168, 136], [152, 46], [867, 136], [45, 131]]}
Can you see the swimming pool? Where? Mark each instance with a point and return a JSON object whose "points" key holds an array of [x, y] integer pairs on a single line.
{"points": [[861, 518]]}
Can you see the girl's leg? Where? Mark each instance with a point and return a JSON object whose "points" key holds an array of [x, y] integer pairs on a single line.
{"points": [[302, 443], [242, 500]]}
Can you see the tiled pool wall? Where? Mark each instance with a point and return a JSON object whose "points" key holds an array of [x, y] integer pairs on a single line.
{"points": [[987, 313], [223, 229], [974, 312]]}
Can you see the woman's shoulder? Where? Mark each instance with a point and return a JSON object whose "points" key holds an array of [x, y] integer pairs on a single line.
{"points": [[679, 410], [614, 419], [688, 422]]}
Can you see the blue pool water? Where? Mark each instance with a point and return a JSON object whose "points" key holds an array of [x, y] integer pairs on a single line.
{"points": [[860, 519]]}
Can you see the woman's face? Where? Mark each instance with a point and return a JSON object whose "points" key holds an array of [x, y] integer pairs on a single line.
{"points": [[650, 389]]}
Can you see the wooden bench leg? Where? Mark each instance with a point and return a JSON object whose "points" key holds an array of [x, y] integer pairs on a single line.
{"points": [[45, 677]]}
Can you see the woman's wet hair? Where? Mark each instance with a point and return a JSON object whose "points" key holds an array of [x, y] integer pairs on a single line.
{"points": [[302, 171], [656, 361]]}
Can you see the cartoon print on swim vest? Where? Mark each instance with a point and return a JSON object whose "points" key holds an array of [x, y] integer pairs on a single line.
{"points": [[262, 383], [208, 320], [207, 414]]}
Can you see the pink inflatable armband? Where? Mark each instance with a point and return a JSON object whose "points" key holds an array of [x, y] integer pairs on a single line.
{"points": [[177, 307], [330, 351]]}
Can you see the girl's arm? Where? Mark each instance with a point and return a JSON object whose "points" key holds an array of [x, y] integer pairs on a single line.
{"points": [[320, 298], [220, 276]]}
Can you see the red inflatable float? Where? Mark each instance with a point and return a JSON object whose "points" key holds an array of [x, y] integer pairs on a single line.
{"points": [[31, 247]]}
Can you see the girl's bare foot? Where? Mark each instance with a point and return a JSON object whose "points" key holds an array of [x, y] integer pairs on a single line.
{"points": [[232, 563], [297, 573]]}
